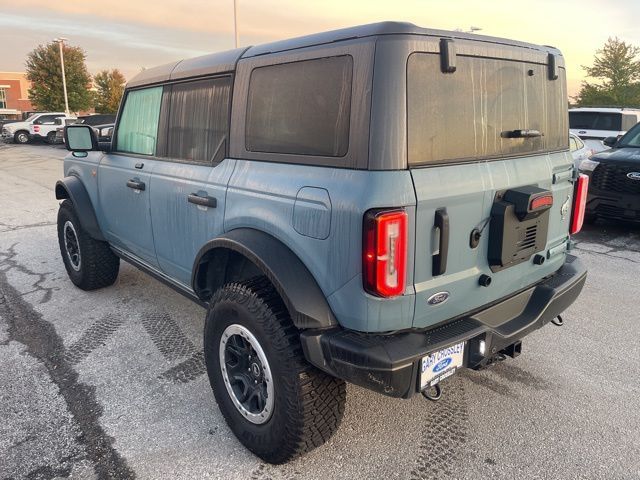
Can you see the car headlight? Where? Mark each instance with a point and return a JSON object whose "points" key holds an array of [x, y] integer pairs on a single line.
{"points": [[588, 165]]}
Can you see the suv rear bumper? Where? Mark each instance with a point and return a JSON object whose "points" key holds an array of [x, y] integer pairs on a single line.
{"points": [[390, 364]]}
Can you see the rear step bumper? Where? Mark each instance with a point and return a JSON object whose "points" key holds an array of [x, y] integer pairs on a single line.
{"points": [[389, 364]]}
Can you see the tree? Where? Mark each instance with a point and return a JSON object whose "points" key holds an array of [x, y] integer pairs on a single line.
{"points": [[110, 87], [617, 68], [45, 75]]}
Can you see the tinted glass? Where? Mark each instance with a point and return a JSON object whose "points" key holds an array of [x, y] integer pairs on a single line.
{"points": [[631, 139], [301, 108], [595, 121], [138, 126], [466, 115], [46, 119], [198, 120], [628, 121]]}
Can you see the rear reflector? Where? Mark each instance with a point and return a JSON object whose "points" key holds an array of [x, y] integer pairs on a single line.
{"points": [[544, 201], [384, 252], [579, 203]]}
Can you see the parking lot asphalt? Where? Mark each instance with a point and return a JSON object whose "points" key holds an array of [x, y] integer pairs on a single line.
{"points": [[111, 383]]}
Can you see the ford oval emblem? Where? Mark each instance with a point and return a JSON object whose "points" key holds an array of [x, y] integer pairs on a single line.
{"points": [[633, 176], [438, 298], [442, 364]]}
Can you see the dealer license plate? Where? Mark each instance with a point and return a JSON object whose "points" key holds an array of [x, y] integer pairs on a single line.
{"points": [[441, 364]]}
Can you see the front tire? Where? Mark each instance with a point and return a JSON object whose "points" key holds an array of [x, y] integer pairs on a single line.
{"points": [[21, 137], [276, 403], [90, 263]]}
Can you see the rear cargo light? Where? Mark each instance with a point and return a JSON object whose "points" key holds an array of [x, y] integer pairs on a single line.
{"points": [[36, 128], [384, 248], [539, 202], [579, 203]]}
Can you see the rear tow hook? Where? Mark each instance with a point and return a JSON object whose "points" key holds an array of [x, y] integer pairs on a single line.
{"points": [[558, 321], [433, 393]]}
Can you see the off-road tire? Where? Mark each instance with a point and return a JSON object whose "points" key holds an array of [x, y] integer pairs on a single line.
{"points": [[308, 404], [99, 266], [21, 137]]}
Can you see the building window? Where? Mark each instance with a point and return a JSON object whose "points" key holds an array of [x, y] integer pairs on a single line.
{"points": [[3, 98]]}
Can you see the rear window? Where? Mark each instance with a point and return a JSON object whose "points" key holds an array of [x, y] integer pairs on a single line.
{"points": [[198, 120], [300, 108], [595, 121], [466, 115]]}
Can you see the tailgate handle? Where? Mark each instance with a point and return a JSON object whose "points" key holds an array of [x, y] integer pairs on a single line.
{"points": [[441, 222]]}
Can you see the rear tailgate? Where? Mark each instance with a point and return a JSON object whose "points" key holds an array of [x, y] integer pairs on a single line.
{"points": [[466, 151]]}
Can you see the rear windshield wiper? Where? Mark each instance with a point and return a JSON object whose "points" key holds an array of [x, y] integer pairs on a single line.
{"points": [[521, 134]]}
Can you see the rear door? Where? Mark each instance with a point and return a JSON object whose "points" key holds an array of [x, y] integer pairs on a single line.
{"points": [[466, 149], [188, 188]]}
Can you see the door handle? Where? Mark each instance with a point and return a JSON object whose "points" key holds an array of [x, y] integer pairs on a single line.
{"points": [[441, 222], [135, 184], [203, 200]]}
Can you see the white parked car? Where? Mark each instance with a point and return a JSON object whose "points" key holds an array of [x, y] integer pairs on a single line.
{"points": [[19, 132], [594, 124], [579, 151]]}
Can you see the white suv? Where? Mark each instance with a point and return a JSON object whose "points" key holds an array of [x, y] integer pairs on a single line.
{"points": [[20, 132], [594, 124]]}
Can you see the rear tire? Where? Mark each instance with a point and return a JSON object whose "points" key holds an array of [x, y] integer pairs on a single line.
{"points": [[21, 137], [307, 405], [51, 138], [90, 263]]}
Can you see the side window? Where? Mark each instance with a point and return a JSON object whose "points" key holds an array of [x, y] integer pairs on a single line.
{"points": [[579, 144], [45, 119], [300, 108], [138, 125], [628, 121], [198, 120], [573, 146]]}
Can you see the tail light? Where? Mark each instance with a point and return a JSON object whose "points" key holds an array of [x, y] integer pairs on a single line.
{"points": [[36, 128], [384, 249], [579, 203]]}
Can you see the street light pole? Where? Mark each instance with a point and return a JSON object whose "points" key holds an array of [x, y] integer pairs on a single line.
{"points": [[60, 42], [235, 21]]}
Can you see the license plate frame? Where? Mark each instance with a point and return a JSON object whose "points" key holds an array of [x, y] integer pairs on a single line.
{"points": [[441, 364]]}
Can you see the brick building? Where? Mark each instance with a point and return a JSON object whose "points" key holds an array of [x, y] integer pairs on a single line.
{"points": [[14, 96]]}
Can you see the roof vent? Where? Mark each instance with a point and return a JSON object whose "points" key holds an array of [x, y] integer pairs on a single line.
{"points": [[447, 55]]}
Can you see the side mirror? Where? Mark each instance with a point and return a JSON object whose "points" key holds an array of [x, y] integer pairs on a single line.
{"points": [[80, 138], [106, 132], [610, 141]]}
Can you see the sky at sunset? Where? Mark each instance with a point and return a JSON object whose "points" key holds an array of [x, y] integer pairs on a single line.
{"points": [[134, 34]]}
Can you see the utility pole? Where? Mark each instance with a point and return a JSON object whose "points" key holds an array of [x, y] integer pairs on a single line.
{"points": [[235, 21], [60, 42]]}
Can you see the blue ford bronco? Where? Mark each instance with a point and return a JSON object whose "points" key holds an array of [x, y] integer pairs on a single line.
{"points": [[382, 205]]}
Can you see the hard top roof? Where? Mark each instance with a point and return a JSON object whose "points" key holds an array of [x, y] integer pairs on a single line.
{"points": [[226, 61]]}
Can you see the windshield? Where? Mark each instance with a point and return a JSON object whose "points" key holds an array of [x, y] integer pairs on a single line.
{"points": [[595, 121], [631, 139]]}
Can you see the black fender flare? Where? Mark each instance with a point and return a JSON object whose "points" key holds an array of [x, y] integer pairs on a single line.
{"points": [[72, 188], [297, 287]]}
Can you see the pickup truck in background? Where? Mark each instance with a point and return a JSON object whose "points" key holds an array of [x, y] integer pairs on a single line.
{"points": [[46, 129], [19, 132], [102, 124]]}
